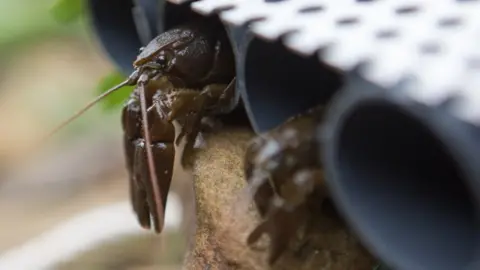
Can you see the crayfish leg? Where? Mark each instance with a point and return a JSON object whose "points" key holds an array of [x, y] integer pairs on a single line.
{"points": [[280, 235], [214, 98], [186, 108]]}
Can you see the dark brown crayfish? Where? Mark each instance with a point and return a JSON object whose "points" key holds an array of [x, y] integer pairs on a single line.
{"points": [[285, 178], [180, 76]]}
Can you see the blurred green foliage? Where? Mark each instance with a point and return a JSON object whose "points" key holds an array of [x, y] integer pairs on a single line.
{"points": [[66, 11], [69, 11], [24, 21], [114, 100]]}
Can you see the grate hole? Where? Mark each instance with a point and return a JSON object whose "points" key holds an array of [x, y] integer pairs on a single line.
{"points": [[347, 21], [473, 63], [430, 48], [225, 8], [387, 34], [407, 10], [255, 20], [287, 33], [449, 22], [311, 9]]}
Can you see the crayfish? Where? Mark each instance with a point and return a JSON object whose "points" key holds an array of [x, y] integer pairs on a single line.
{"points": [[283, 172], [181, 76], [286, 181]]}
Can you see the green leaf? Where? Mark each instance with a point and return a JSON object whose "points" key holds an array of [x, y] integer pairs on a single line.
{"points": [[67, 11], [116, 99]]}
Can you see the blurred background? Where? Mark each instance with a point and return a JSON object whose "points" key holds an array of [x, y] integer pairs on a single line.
{"points": [[64, 204]]}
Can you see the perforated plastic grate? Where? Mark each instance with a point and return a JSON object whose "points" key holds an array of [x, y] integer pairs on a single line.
{"points": [[432, 45]]}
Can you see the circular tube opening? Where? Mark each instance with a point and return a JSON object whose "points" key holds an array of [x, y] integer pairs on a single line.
{"points": [[115, 28], [280, 84], [404, 190]]}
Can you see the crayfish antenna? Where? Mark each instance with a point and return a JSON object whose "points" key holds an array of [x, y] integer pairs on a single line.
{"points": [[132, 80], [157, 195]]}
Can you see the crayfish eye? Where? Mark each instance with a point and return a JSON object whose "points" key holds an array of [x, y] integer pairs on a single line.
{"points": [[162, 60]]}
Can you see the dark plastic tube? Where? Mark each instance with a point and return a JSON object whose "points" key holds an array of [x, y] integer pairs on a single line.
{"points": [[116, 26], [405, 176], [278, 84]]}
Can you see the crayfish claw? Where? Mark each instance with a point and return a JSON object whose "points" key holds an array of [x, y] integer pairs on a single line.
{"points": [[142, 209]]}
